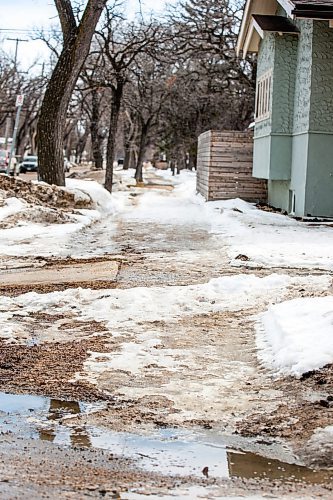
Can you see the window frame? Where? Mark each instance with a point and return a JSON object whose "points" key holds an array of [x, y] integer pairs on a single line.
{"points": [[263, 105]]}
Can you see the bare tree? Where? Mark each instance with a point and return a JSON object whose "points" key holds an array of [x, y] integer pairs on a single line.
{"points": [[94, 105], [121, 43], [76, 44], [151, 85], [32, 85], [130, 135], [211, 88]]}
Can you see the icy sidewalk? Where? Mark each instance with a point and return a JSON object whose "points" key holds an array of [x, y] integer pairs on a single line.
{"points": [[266, 239], [176, 337]]}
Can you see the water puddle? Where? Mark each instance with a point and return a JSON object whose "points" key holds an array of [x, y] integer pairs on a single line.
{"points": [[166, 451]]}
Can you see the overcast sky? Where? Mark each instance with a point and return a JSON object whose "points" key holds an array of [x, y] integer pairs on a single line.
{"points": [[26, 14]]}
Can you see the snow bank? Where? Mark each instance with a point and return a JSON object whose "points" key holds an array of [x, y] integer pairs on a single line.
{"points": [[11, 206], [42, 194], [270, 239], [41, 230], [297, 336], [104, 201]]}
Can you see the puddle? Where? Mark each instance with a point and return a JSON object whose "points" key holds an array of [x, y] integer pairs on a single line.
{"points": [[166, 451]]}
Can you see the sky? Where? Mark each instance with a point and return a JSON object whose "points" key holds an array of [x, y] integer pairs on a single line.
{"points": [[27, 14]]}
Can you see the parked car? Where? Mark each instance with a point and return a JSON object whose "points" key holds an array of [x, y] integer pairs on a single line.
{"points": [[4, 160], [29, 164]]}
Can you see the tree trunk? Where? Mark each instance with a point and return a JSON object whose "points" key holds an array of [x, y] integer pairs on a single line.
{"points": [[96, 139], [128, 146], [51, 124], [117, 94], [127, 157], [141, 154], [81, 144]]}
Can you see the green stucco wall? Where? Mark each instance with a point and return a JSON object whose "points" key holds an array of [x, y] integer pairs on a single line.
{"points": [[279, 194], [318, 128], [273, 140], [321, 115], [303, 71], [294, 147], [319, 181]]}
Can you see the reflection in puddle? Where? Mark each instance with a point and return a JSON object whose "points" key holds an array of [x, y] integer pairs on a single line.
{"points": [[167, 451], [39, 417], [252, 466]]}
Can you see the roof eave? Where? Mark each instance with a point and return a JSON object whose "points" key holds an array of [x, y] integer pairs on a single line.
{"points": [[265, 7], [323, 14]]}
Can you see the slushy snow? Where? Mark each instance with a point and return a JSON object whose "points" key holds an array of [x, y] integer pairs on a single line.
{"points": [[293, 337]]}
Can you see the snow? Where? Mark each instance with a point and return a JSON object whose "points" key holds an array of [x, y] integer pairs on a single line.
{"points": [[11, 206], [296, 336], [126, 308], [105, 202], [320, 445], [286, 332], [40, 239], [49, 239], [268, 239], [180, 206]]}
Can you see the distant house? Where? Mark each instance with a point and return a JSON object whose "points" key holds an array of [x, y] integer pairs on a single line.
{"points": [[293, 137]]}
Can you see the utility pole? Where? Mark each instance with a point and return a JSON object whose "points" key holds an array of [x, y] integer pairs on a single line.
{"points": [[7, 130], [17, 41], [19, 104], [19, 107]]}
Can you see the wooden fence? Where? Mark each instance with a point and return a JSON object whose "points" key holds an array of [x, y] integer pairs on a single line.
{"points": [[224, 167]]}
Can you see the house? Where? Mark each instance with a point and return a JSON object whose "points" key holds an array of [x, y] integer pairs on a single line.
{"points": [[293, 136]]}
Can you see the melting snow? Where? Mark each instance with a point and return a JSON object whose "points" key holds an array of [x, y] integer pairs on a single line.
{"points": [[297, 336]]}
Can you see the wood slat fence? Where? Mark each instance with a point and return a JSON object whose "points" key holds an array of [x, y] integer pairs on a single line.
{"points": [[224, 167]]}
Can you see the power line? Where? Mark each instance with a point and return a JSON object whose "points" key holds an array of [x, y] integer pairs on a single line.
{"points": [[17, 41], [23, 31]]}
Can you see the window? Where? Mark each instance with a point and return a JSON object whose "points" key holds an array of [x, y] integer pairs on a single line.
{"points": [[263, 96]]}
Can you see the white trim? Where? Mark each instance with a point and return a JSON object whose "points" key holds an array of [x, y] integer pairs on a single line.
{"points": [[265, 7], [288, 6], [257, 28], [263, 105], [243, 27], [248, 40]]}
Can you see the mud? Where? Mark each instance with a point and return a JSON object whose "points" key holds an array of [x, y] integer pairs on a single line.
{"points": [[164, 460], [47, 369]]}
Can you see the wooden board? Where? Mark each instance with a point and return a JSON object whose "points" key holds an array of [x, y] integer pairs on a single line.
{"points": [[94, 271]]}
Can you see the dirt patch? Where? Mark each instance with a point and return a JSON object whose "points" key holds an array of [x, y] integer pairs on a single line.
{"points": [[74, 473], [16, 290], [48, 369], [38, 215], [306, 405]]}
